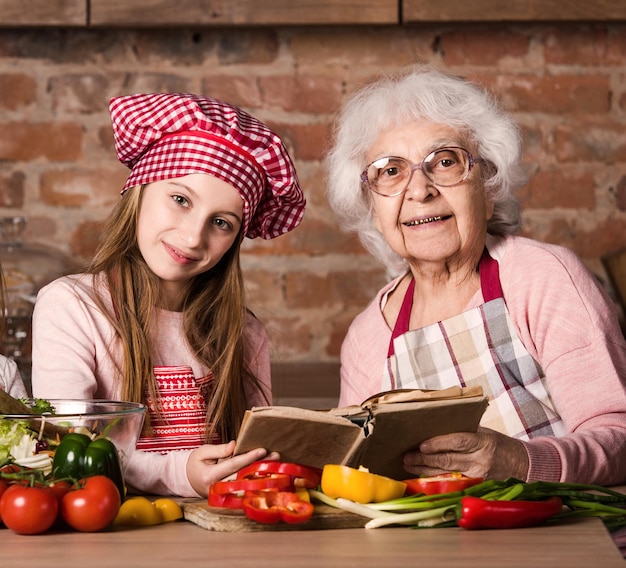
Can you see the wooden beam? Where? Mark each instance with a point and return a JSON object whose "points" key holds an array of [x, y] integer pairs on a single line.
{"points": [[43, 13], [416, 11], [241, 12]]}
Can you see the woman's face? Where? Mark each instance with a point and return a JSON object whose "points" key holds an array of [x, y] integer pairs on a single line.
{"points": [[428, 224], [185, 227]]}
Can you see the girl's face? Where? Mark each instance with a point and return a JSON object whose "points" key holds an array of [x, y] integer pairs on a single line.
{"points": [[430, 224], [185, 227]]}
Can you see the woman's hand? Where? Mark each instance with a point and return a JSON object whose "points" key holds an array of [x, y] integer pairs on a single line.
{"points": [[487, 454], [212, 462]]}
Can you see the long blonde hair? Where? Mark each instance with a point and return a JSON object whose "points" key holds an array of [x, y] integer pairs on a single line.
{"points": [[214, 313]]}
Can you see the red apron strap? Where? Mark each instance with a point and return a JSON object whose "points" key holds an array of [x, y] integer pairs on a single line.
{"points": [[489, 282], [489, 277], [404, 317]]}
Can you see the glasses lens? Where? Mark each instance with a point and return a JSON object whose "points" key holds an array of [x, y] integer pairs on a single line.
{"points": [[447, 167], [388, 176]]}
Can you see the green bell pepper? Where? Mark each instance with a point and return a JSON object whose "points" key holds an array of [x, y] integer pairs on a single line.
{"points": [[78, 456]]}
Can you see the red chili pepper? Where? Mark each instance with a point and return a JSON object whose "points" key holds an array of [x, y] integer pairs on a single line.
{"points": [[301, 475], [444, 483], [271, 507], [479, 513]]}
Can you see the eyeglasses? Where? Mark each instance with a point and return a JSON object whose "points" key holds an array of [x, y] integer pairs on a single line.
{"points": [[446, 167]]}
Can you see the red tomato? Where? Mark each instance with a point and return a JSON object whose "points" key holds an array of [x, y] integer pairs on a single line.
{"points": [[444, 483], [92, 506], [28, 510]]}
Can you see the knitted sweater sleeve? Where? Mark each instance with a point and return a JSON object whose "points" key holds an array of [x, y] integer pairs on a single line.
{"points": [[569, 325]]}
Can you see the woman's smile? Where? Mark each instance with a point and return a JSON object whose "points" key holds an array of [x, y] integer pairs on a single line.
{"points": [[425, 220]]}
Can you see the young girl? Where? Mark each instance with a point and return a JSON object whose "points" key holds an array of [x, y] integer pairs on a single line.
{"points": [[160, 316]]}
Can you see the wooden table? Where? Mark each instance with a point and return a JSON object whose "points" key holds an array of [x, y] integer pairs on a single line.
{"points": [[580, 543]]}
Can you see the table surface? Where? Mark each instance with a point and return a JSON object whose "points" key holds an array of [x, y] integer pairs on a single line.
{"points": [[582, 542]]}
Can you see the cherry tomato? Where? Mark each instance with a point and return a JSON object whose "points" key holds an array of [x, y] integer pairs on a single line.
{"points": [[28, 510], [93, 505], [444, 483]]}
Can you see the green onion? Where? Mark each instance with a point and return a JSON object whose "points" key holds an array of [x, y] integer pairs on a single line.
{"points": [[580, 500]]}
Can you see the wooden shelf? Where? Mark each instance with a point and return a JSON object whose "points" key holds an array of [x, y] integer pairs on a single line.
{"points": [[43, 13], [173, 13], [417, 11], [241, 12]]}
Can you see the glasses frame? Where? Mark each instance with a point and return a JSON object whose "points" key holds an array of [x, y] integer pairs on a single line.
{"points": [[471, 160]]}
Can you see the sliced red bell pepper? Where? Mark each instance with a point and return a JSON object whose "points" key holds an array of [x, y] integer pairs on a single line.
{"points": [[273, 481], [227, 500], [301, 475], [477, 513], [444, 483], [271, 507], [229, 494]]}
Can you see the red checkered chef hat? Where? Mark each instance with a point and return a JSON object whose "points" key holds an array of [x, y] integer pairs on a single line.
{"points": [[169, 135]]}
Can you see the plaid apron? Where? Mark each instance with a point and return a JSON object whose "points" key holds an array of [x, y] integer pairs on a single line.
{"points": [[182, 406], [477, 347]]}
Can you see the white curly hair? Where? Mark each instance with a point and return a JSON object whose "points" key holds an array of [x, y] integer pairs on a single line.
{"points": [[422, 93]]}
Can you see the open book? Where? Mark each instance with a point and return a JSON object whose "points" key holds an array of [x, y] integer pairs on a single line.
{"points": [[374, 435]]}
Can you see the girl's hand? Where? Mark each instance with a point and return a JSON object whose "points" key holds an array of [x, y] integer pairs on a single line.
{"points": [[487, 453], [213, 462]]}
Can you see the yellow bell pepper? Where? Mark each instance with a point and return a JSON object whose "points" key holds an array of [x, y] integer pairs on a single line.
{"points": [[169, 509], [139, 511], [359, 484]]}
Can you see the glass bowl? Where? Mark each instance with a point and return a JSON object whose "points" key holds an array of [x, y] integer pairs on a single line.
{"points": [[30, 439]]}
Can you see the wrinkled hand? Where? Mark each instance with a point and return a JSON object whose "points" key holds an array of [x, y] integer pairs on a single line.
{"points": [[212, 462], [487, 454]]}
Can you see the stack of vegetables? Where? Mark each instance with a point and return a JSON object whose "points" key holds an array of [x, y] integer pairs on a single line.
{"points": [[269, 492], [75, 482], [272, 491], [470, 503]]}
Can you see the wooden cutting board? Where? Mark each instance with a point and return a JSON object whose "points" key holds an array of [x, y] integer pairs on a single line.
{"points": [[230, 520]]}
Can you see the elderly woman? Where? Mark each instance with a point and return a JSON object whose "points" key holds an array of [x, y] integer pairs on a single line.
{"points": [[425, 168]]}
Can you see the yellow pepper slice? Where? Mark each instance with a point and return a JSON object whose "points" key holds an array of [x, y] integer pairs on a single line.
{"points": [[140, 511], [303, 494], [359, 484], [170, 510]]}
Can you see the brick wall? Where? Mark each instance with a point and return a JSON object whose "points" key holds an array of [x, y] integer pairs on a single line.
{"points": [[565, 83]]}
